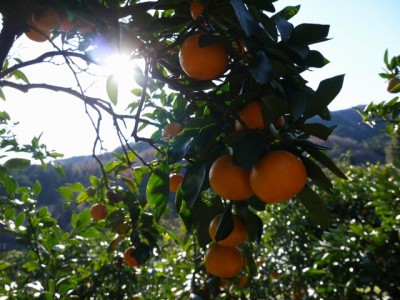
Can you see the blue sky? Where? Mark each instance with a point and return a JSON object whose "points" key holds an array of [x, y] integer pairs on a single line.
{"points": [[360, 32]]}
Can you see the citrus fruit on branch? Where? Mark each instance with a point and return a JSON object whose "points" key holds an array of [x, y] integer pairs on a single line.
{"points": [[98, 211], [129, 257], [278, 176], [228, 180], [237, 236], [175, 180], [203, 63], [222, 261]]}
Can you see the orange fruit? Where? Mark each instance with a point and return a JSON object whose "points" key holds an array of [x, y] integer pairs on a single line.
{"points": [[203, 63], [66, 22], [278, 176], [98, 211], [223, 261], [243, 281], [172, 130], [46, 18], [196, 9], [252, 116], [36, 34], [280, 121], [392, 85], [129, 258], [84, 26], [228, 180], [175, 180], [236, 237]]}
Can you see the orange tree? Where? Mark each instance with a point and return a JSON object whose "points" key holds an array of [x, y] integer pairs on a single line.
{"points": [[199, 72]]}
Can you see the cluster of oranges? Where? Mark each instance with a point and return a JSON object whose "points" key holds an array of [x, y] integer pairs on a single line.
{"points": [[223, 258], [276, 177], [46, 18], [202, 63]]}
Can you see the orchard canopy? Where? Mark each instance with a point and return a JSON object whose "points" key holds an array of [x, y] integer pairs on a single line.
{"points": [[220, 88]]}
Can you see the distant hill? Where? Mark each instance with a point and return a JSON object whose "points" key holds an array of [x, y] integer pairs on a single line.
{"points": [[365, 144]]}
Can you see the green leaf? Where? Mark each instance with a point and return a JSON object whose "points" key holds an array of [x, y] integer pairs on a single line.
{"points": [[19, 219], [59, 169], [182, 209], [248, 150], [202, 213], [261, 4], [315, 129], [9, 213], [76, 187], [31, 265], [82, 197], [225, 226], [317, 175], [17, 163], [112, 89], [251, 263], [19, 75], [42, 212], [309, 34], [288, 12], [315, 59], [157, 190], [285, 28], [37, 188], [9, 184], [66, 284], [386, 58], [89, 232], [115, 218], [254, 226], [326, 161], [327, 90], [246, 20], [2, 96], [66, 193], [82, 219], [130, 183], [261, 68], [315, 206], [192, 183], [5, 265]]}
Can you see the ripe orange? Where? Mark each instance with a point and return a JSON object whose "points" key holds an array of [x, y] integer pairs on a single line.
{"points": [[243, 281], [46, 18], [196, 9], [252, 116], [171, 130], [84, 26], [223, 261], [98, 211], [66, 22], [278, 176], [236, 237], [175, 180], [280, 121], [203, 63], [36, 34], [392, 85], [129, 258], [228, 180]]}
